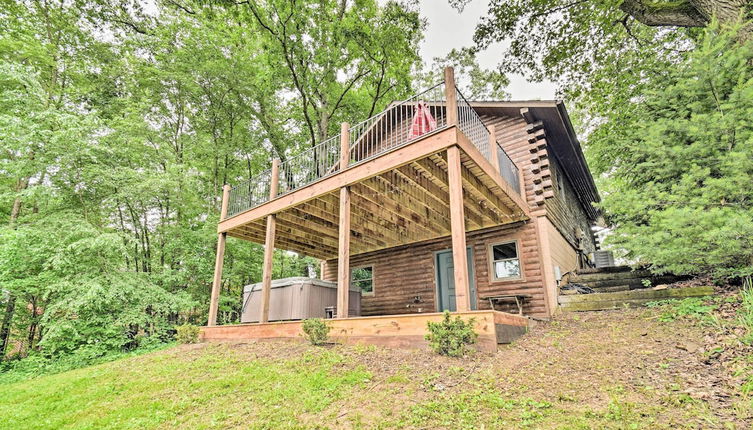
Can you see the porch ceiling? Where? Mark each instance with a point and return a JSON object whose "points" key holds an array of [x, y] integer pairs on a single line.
{"points": [[404, 204]]}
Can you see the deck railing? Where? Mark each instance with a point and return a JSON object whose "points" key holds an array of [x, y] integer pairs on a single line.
{"points": [[249, 193], [309, 166], [508, 170], [472, 127], [392, 127], [367, 139]]}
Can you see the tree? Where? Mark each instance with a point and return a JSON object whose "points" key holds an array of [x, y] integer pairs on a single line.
{"points": [[568, 40], [673, 155], [474, 82], [348, 65]]}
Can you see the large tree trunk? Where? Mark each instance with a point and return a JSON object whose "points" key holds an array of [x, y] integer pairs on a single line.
{"points": [[15, 210], [10, 308], [685, 13]]}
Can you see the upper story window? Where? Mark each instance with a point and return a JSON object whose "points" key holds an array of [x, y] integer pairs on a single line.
{"points": [[505, 261], [363, 278]]}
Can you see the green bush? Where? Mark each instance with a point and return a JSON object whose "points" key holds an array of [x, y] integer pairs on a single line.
{"points": [[187, 333], [451, 337], [315, 330], [36, 364]]}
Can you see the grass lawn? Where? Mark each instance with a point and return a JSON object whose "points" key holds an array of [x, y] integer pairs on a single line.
{"points": [[620, 369]]}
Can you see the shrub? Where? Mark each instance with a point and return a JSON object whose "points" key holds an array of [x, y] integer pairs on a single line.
{"points": [[187, 333], [451, 337], [315, 330]]}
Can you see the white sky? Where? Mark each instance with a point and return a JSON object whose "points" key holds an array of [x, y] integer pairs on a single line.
{"points": [[447, 29]]}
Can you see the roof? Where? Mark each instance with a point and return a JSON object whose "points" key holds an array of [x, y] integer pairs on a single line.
{"points": [[562, 142]]}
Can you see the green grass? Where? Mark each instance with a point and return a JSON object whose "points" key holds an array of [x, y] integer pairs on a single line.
{"points": [[700, 308], [214, 389], [220, 387], [613, 370]]}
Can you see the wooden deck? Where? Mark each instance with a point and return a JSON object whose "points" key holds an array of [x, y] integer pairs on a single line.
{"points": [[397, 331], [400, 197]]}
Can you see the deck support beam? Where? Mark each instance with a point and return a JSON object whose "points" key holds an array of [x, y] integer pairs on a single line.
{"points": [[457, 221], [269, 246], [343, 251], [214, 298]]}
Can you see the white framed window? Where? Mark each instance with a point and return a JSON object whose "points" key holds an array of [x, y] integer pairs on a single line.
{"points": [[505, 261], [363, 279]]}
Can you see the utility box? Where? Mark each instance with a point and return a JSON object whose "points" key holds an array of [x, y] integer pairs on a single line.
{"points": [[603, 259], [293, 299]]}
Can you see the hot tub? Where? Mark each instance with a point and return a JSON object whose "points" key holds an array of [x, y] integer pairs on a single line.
{"points": [[296, 299]]}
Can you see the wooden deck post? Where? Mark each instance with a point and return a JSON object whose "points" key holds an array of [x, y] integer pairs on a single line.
{"points": [[214, 298], [343, 243], [457, 222], [493, 152], [269, 246], [450, 95], [344, 145]]}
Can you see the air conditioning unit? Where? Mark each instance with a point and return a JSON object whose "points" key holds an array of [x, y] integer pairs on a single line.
{"points": [[603, 259]]}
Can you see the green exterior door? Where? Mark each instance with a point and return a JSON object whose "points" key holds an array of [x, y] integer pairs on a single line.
{"points": [[446, 280]]}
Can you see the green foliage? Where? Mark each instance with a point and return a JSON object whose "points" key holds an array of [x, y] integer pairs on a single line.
{"points": [[672, 156], [694, 307], [36, 365], [474, 82], [187, 333], [568, 41], [451, 337], [316, 330]]}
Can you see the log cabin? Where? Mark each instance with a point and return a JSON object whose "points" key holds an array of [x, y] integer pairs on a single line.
{"points": [[437, 203]]}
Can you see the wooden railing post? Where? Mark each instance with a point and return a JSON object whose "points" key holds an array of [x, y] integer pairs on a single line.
{"points": [[457, 224], [344, 145], [274, 181], [493, 151], [343, 243], [214, 298], [269, 246], [450, 95]]}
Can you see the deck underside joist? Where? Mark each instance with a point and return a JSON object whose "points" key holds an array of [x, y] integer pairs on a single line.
{"points": [[404, 204]]}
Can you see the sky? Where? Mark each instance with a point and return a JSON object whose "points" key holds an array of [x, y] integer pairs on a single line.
{"points": [[448, 29]]}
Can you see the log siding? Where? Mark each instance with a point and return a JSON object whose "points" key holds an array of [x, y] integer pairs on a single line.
{"points": [[404, 273], [567, 214]]}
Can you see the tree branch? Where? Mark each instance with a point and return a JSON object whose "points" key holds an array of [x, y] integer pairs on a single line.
{"points": [[677, 13]]}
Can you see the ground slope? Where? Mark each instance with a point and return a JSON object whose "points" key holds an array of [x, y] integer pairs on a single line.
{"points": [[639, 368]]}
